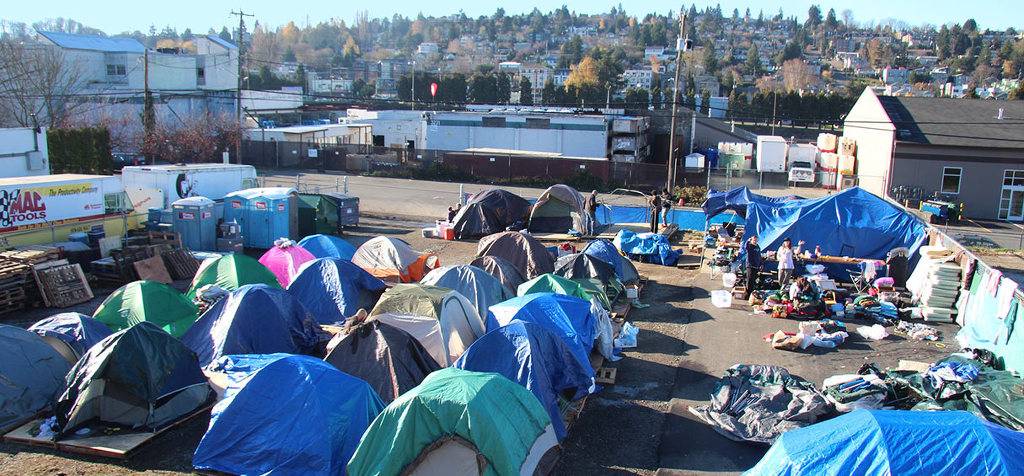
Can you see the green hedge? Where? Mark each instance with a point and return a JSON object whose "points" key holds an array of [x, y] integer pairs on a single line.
{"points": [[84, 150]]}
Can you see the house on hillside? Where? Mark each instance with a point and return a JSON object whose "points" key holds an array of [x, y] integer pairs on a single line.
{"points": [[965, 148]]}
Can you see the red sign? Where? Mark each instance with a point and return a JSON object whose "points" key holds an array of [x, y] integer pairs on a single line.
{"points": [[433, 89], [261, 205], [236, 204], [280, 207], [187, 216]]}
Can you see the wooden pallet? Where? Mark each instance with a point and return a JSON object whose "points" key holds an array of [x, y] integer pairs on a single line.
{"points": [[165, 238], [153, 269], [12, 299], [62, 284], [180, 264]]}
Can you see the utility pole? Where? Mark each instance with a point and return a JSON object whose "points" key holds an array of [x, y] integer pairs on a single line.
{"points": [[238, 94], [775, 103], [681, 45], [148, 114], [414, 85]]}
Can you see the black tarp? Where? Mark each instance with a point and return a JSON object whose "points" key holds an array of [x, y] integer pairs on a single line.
{"points": [[31, 374], [490, 211], [388, 358], [501, 268], [584, 266]]}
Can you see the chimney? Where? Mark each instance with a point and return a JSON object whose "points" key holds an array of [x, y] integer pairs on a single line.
{"points": [[1000, 114]]}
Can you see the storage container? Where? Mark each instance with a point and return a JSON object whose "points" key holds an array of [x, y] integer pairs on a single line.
{"points": [[194, 221]]}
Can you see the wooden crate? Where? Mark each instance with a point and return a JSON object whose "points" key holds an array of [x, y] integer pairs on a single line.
{"points": [[62, 284]]}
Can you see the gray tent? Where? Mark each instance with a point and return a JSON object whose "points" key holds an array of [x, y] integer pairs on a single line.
{"points": [[31, 374], [560, 209], [525, 252], [140, 377], [500, 268], [482, 289]]}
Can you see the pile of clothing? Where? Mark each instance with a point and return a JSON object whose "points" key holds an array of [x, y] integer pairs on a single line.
{"points": [[870, 307], [778, 305], [826, 334]]}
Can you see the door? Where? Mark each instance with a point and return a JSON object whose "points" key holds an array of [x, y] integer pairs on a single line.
{"points": [[1011, 200], [1016, 209]]}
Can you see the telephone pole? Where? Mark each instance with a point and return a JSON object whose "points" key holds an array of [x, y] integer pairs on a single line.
{"points": [[238, 94], [681, 45], [148, 114]]}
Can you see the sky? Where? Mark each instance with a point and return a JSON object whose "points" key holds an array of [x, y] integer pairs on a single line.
{"points": [[119, 16]]}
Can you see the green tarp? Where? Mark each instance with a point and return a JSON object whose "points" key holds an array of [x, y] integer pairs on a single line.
{"points": [[502, 419], [232, 272], [551, 283], [148, 301]]}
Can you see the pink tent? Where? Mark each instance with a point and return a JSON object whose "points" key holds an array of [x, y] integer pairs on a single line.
{"points": [[285, 259]]}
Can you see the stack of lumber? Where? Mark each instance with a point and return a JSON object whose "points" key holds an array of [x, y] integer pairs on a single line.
{"points": [[16, 289]]}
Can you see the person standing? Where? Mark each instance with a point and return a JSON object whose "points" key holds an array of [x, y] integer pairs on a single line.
{"points": [[654, 201], [666, 207], [785, 257], [591, 205], [754, 264]]}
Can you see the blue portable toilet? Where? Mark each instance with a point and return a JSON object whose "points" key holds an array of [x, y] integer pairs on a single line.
{"points": [[194, 220], [264, 214]]}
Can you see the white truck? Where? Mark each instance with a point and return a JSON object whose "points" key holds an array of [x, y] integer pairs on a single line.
{"points": [[802, 158], [158, 186], [771, 154]]}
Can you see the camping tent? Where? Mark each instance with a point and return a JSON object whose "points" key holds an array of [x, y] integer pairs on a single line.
{"points": [[231, 272], [738, 199], [527, 254], [140, 377], [31, 374], [291, 414], [444, 340], [502, 269], [534, 357], [147, 301], [328, 246], [560, 209], [605, 250], [896, 442], [853, 223], [71, 333], [253, 319], [567, 316], [388, 358], [392, 259], [430, 301], [646, 247], [552, 283], [490, 211], [584, 266], [333, 289], [284, 260], [475, 284], [459, 423]]}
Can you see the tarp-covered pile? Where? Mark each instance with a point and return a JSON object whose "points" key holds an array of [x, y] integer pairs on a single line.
{"points": [[334, 289], [606, 251], [392, 259], [391, 360], [286, 414], [148, 301], [738, 199], [230, 272], [560, 209], [328, 246], [646, 247], [31, 374], [490, 211], [525, 252]]}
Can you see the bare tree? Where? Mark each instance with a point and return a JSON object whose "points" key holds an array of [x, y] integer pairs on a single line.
{"points": [[196, 138], [38, 85], [796, 75]]}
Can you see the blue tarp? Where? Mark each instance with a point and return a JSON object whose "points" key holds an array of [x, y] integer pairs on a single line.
{"points": [[253, 319], [567, 316], [328, 246], [295, 415], [738, 200], [896, 442], [334, 289], [78, 331], [852, 223], [534, 357], [605, 251], [646, 247], [608, 214], [685, 218]]}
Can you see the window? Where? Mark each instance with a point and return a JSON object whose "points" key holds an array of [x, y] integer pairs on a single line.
{"points": [[117, 202], [200, 73], [1013, 178], [951, 179], [115, 70], [537, 123], [493, 122]]}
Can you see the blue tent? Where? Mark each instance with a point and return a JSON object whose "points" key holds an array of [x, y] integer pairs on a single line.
{"points": [[77, 331], [852, 223], [605, 251], [896, 442], [568, 317], [534, 357], [334, 289], [480, 287], [328, 246], [646, 247], [294, 415], [738, 200], [253, 319]]}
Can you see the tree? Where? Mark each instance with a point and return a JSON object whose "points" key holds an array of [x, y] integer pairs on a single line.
{"points": [[452, 89], [525, 91], [792, 50], [813, 17], [195, 138], [225, 34], [753, 63], [37, 85], [549, 96], [483, 89], [796, 75], [830, 20], [705, 102], [504, 88], [359, 89], [583, 75], [637, 98], [1018, 93], [571, 52], [710, 60]]}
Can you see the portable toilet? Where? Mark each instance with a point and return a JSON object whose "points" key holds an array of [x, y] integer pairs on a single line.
{"points": [[195, 222], [264, 214]]}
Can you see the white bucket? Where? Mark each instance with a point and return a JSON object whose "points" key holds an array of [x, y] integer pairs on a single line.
{"points": [[721, 298], [728, 279], [632, 293]]}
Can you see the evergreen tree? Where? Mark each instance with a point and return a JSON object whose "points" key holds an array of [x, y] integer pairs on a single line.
{"points": [[525, 91]]}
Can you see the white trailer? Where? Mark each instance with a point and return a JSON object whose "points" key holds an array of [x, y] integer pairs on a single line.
{"points": [[771, 154], [174, 182]]}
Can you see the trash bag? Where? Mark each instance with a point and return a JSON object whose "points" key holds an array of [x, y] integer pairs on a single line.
{"points": [[757, 403]]}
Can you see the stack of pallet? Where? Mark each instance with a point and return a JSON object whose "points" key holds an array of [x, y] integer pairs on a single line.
{"points": [[17, 289], [939, 291]]}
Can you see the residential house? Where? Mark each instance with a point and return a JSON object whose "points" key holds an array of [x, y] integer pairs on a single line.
{"points": [[895, 76], [638, 78]]}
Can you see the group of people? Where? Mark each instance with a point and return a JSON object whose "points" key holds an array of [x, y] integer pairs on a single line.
{"points": [[661, 205], [785, 257]]}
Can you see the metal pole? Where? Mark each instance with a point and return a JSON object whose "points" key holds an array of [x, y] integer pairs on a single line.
{"points": [[346, 184], [680, 44], [775, 102], [462, 192]]}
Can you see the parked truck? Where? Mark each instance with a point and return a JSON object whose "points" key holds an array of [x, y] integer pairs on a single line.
{"points": [[771, 154], [162, 185]]}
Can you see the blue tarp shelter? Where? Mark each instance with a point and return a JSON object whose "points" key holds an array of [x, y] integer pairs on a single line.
{"points": [[738, 200], [254, 319], [567, 316], [334, 289], [646, 247], [534, 357], [328, 246], [605, 251], [77, 332], [293, 415], [896, 442], [852, 223]]}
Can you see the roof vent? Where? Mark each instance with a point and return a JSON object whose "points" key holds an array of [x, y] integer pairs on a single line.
{"points": [[999, 115]]}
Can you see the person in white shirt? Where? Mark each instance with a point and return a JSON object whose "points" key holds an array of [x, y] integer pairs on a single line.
{"points": [[785, 258], [800, 286]]}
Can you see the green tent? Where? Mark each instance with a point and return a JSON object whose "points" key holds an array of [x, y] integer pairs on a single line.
{"points": [[231, 272], [552, 283], [147, 301], [459, 422]]}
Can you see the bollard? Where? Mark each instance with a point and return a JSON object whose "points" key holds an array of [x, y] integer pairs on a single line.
{"points": [[462, 194], [346, 184], [336, 184]]}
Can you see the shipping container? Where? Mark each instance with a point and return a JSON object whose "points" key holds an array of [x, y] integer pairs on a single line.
{"points": [[771, 154]]}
